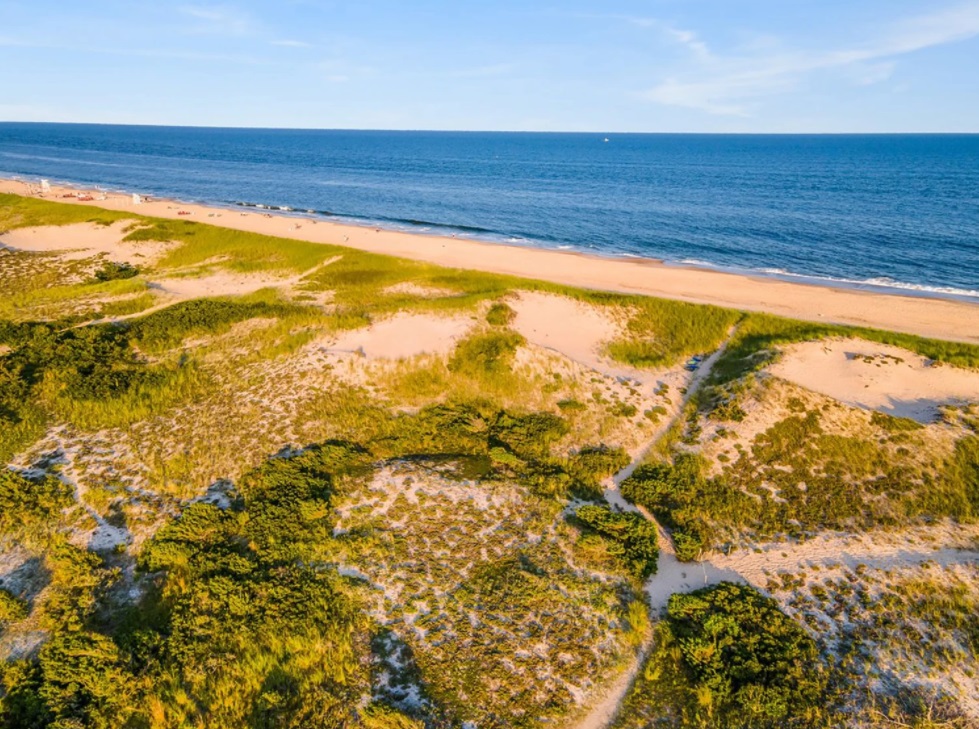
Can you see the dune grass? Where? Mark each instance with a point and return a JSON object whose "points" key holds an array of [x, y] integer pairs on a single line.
{"points": [[233, 249], [27, 212]]}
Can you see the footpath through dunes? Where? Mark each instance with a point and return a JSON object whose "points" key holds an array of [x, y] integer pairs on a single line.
{"points": [[794, 571], [940, 319]]}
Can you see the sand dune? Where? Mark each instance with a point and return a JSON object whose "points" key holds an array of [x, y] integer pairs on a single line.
{"points": [[877, 377]]}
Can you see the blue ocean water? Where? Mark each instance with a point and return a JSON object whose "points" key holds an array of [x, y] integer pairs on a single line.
{"points": [[864, 210]]}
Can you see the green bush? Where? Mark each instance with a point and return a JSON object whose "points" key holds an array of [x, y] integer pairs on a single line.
{"points": [[112, 271], [592, 464], [894, 424], [631, 537], [683, 500], [12, 608], [500, 315], [488, 354], [27, 505], [727, 658]]}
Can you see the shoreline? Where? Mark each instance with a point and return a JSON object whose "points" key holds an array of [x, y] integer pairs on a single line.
{"points": [[877, 285], [909, 312]]}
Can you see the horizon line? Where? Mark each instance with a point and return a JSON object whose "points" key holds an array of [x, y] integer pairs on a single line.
{"points": [[492, 131]]}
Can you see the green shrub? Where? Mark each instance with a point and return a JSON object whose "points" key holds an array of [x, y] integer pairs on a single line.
{"points": [[27, 505], [489, 354], [166, 328], [631, 537], [894, 424], [12, 608], [727, 658], [112, 271], [591, 464], [683, 500], [500, 315]]}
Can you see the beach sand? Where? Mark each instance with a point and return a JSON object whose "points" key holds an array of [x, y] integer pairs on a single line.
{"points": [[936, 318]]}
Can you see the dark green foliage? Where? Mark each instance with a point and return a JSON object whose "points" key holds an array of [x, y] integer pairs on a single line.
{"points": [[500, 315], [528, 436], [727, 658], [166, 328], [591, 464], [93, 363], [483, 440], [87, 363], [12, 608], [245, 614], [21, 705], [486, 355], [680, 497], [112, 271], [84, 681], [27, 505], [631, 537], [79, 678], [894, 424], [78, 578]]}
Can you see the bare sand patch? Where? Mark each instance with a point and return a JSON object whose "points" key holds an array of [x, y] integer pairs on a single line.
{"points": [[84, 240], [877, 377], [405, 335], [571, 328]]}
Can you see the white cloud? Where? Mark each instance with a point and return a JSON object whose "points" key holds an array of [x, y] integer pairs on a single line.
{"points": [[288, 43], [732, 85], [219, 20]]}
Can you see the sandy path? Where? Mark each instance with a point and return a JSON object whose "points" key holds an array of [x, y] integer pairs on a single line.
{"points": [[942, 319]]}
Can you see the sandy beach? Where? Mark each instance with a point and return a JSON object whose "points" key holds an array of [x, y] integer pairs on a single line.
{"points": [[936, 318]]}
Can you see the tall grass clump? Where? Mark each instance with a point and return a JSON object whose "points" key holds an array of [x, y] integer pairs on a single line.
{"points": [[662, 331]]}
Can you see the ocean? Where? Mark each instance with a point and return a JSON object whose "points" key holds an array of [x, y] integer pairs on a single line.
{"points": [[866, 211]]}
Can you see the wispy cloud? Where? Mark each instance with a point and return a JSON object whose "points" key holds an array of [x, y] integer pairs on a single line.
{"points": [[219, 20], [288, 43], [732, 85], [488, 71]]}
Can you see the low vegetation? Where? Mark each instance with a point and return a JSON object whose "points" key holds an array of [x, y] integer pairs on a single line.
{"points": [[727, 657], [631, 537], [796, 478], [442, 554]]}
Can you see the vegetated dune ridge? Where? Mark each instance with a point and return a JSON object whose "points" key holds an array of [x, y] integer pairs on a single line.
{"points": [[935, 318], [485, 411]]}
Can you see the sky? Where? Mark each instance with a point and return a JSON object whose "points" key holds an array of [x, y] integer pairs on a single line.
{"points": [[579, 65]]}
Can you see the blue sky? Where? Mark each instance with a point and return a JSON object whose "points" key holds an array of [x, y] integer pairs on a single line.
{"points": [[658, 65]]}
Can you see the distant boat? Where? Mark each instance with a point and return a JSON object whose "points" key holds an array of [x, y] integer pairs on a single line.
{"points": [[606, 139]]}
